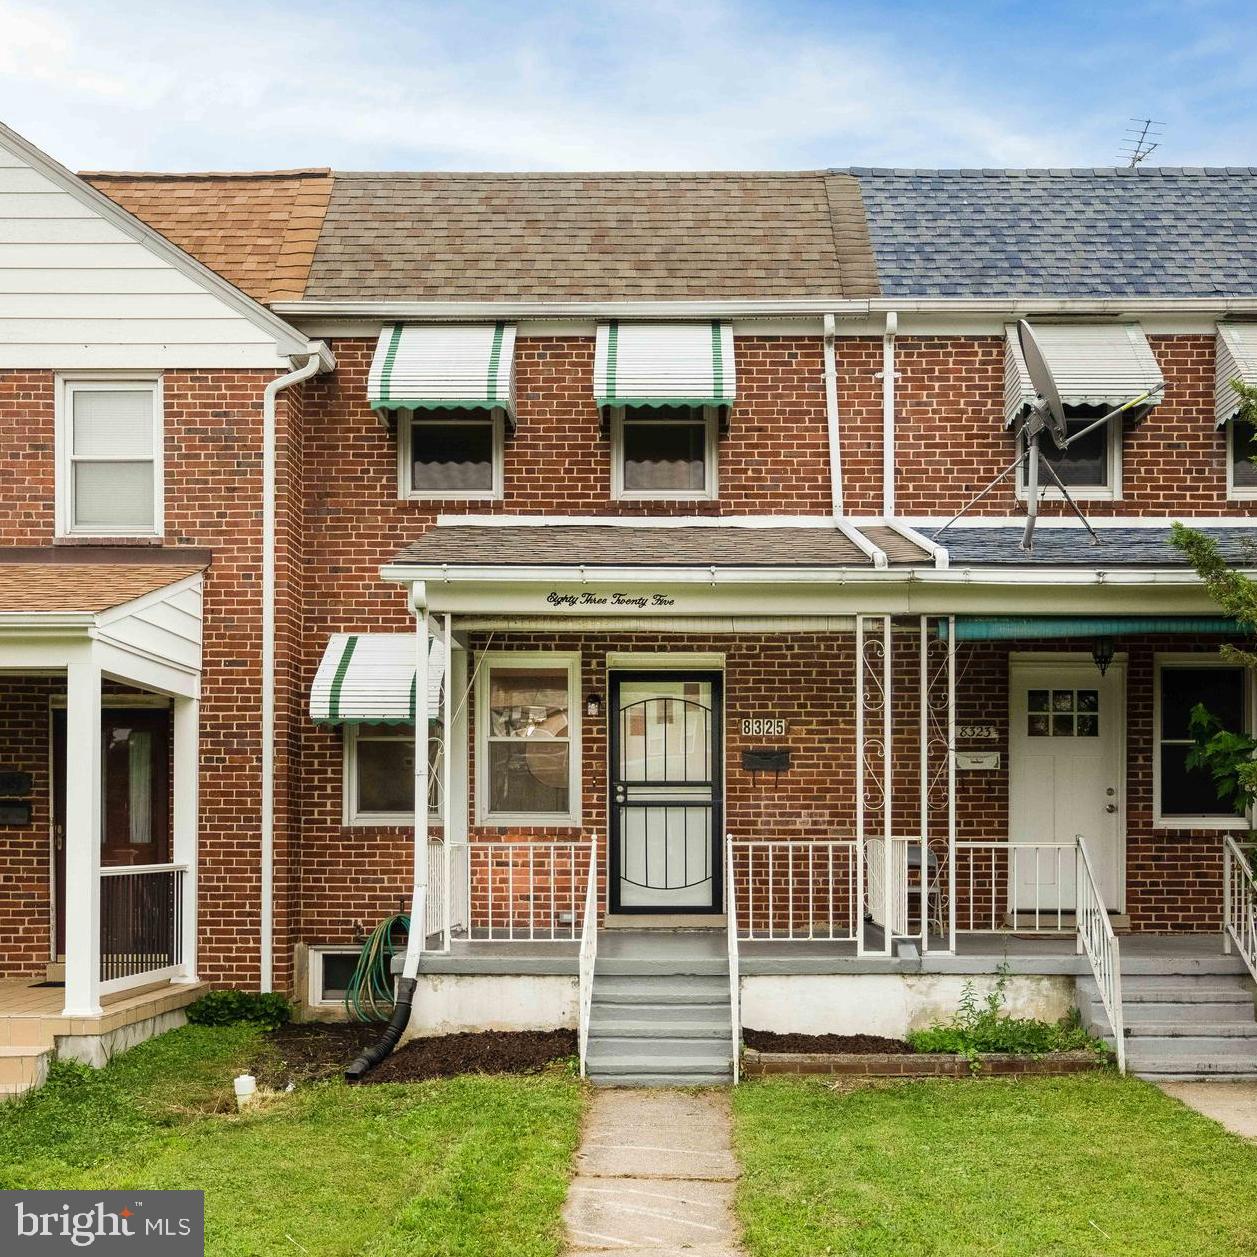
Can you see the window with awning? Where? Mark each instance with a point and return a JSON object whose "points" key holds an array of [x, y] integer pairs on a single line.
{"points": [[369, 678], [444, 367], [664, 364], [1100, 365]]}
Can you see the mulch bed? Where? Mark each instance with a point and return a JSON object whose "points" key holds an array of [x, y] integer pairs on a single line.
{"points": [[305, 1052], [769, 1041], [491, 1052]]}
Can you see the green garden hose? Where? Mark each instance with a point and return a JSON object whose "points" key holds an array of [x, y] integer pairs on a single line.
{"points": [[369, 996]]}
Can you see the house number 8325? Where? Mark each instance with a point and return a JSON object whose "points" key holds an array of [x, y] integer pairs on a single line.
{"points": [[763, 727]]}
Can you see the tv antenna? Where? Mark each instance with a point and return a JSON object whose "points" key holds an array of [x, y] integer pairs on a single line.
{"points": [[1047, 414], [1142, 137]]}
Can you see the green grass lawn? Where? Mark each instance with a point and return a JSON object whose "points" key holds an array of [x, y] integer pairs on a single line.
{"points": [[462, 1166], [1091, 1164]]}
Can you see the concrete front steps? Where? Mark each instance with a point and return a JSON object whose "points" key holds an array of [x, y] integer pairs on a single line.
{"points": [[22, 1069], [1191, 1025], [660, 1014]]}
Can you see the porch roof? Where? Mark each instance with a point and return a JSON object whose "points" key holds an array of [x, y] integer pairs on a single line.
{"points": [[1072, 547], [593, 545], [87, 588]]}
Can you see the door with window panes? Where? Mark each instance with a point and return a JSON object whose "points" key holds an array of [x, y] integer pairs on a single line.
{"points": [[1065, 778], [666, 782]]}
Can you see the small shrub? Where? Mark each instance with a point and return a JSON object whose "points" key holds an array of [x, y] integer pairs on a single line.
{"points": [[982, 1026], [225, 1008]]}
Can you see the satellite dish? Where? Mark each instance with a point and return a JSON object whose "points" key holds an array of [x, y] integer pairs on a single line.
{"points": [[1052, 410]]}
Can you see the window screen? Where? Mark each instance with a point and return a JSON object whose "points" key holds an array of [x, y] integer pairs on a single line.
{"points": [[1184, 791]]}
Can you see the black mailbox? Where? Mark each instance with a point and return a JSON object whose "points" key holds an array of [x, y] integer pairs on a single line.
{"points": [[766, 759]]}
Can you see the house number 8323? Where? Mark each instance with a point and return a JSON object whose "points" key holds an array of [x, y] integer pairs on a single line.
{"points": [[763, 727]]}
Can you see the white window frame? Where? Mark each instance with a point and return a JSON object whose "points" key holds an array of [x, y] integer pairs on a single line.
{"points": [[350, 813], [1112, 492], [314, 974], [507, 659], [1232, 821], [406, 420], [711, 458], [67, 386], [1235, 492]]}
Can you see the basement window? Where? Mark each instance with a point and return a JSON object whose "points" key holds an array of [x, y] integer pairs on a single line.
{"points": [[331, 973], [1186, 797], [664, 452], [450, 454], [1241, 469]]}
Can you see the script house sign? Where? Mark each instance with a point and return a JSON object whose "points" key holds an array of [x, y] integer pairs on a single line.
{"points": [[585, 598]]}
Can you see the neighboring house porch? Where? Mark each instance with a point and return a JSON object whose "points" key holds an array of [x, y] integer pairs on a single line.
{"points": [[100, 679]]}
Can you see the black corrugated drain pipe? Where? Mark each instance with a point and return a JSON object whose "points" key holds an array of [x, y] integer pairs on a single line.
{"points": [[387, 1041]]}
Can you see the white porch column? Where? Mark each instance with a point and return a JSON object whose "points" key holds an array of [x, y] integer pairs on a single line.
{"points": [[82, 838], [419, 910], [185, 786]]}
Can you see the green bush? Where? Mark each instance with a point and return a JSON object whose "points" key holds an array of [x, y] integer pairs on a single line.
{"points": [[226, 1008], [983, 1026]]}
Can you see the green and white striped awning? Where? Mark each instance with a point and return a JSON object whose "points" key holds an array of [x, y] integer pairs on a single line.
{"points": [[369, 678], [1237, 360], [1094, 364], [664, 364], [450, 366]]}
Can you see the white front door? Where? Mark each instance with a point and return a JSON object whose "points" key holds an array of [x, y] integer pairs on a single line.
{"points": [[1066, 743]]}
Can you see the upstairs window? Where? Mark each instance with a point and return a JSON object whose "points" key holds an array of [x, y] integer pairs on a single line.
{"points": [[450, 454], [1089, 468], [1242, 449], [109, 469], [664, 452], [1186, 798]]}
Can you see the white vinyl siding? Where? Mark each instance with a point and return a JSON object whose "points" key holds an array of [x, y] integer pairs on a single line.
{"points": [[78, 293], [109, 463]]}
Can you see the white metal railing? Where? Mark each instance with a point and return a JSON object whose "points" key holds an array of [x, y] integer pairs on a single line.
{"points": [[731, 941], [525, 891], [1017, 887], [436, 913], [797, 889], [874, 878], [141, 924], [1097, 940], [588, 953], [1239, 903]]}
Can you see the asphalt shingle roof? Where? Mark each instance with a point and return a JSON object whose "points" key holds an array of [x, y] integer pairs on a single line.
{"points": [[1071, 547], [494, 237], [1156, 232]]}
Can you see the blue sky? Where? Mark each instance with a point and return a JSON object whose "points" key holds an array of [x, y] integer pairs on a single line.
{"points": [[593, 84]]}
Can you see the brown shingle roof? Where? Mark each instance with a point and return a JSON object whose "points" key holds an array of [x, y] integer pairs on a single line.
{"points": [[257, 230], [593, 237], [574, 545], [87, 587]]}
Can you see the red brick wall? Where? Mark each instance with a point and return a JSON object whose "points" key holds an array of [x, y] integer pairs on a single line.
{"points": [[951, 441], [25, 857]]}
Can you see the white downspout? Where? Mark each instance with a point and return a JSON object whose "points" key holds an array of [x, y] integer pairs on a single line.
{"points": [[320, 359], [831, 419], [416, 936], [888, 415]]}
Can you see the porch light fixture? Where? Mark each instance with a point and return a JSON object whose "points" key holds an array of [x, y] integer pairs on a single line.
{"points": [[593, 704], [1102, 653]]}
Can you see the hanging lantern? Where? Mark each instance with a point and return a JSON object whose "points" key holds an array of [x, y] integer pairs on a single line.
{"points": [[1102, 653]]}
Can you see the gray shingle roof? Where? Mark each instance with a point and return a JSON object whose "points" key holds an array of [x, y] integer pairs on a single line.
{"points": [[437, 236], [1071, 547], [574, 545], [1156, 232]]}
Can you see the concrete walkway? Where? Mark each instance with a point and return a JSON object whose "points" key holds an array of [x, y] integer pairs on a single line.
{"points": [[655, 1176], [1234, 1104]]}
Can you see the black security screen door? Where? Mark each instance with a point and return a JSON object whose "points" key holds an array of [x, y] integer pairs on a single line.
{"points": [[665, 792]]}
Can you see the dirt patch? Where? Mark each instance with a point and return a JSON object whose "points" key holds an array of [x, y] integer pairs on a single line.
{"points": [[860, 1044], [309, 1052], [492, 1052]]}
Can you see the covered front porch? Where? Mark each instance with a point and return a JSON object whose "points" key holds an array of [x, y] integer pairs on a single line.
{"points": [[100, 670]]}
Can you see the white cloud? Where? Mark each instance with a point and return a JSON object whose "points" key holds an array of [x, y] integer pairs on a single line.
{"points": [[494, 85]]}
